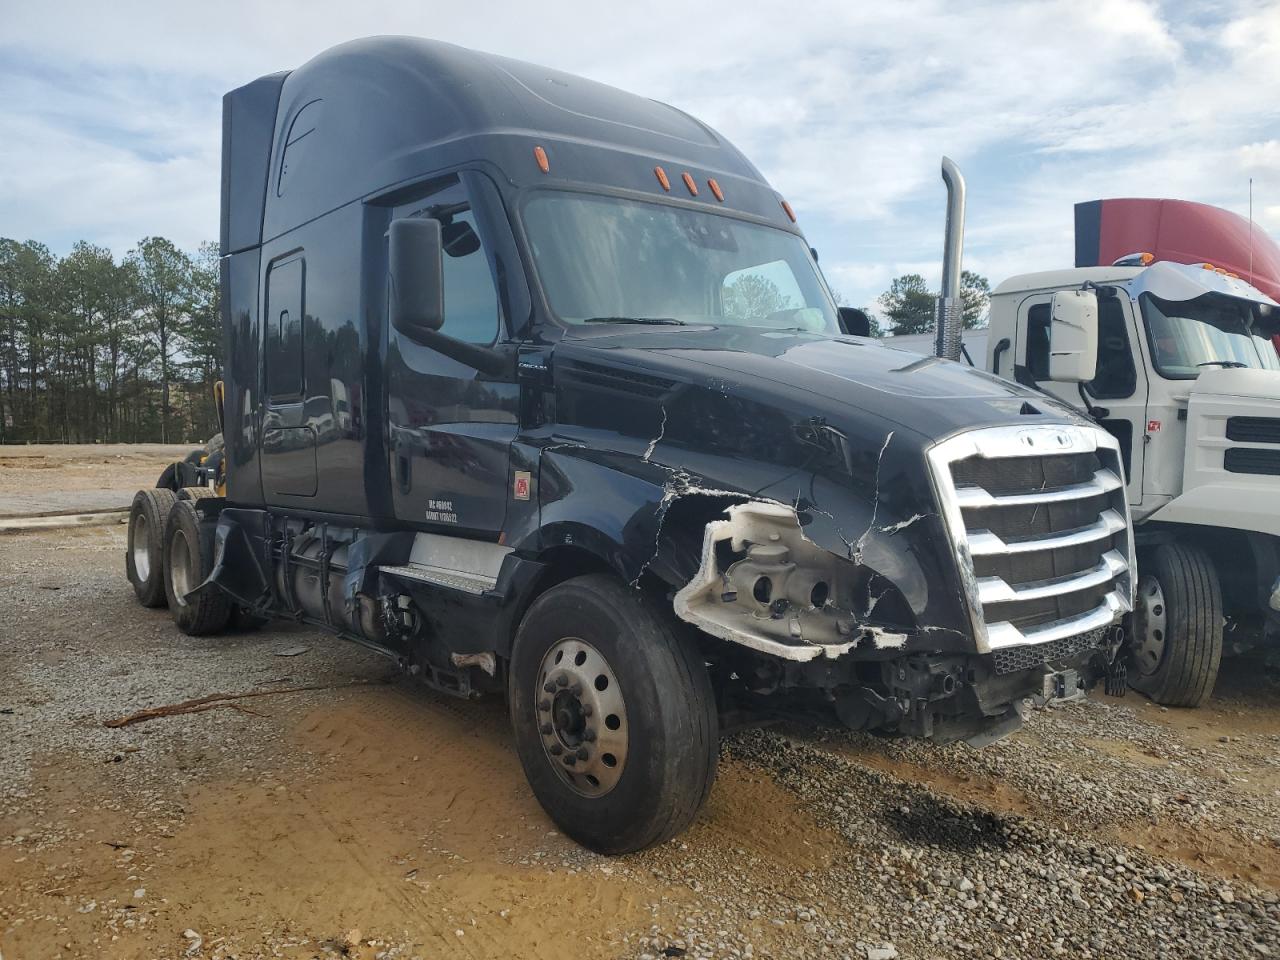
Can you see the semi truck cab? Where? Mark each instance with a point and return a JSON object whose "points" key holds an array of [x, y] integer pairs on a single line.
{"points": [[1186, 378], [535, 387]]}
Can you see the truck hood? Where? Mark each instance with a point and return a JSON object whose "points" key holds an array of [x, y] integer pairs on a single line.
{"points": [[1232, 382], [838, 376], [836, 428]]}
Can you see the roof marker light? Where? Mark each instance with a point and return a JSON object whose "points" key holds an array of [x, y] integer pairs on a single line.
{"points": [[662, 178], [791, 214], [715, 189], [688, 182], [541, 156]]}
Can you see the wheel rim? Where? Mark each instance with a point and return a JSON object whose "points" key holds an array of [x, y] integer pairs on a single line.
{"points": [[581, 716], [180, 566], [141, 551], [1150, 634]]}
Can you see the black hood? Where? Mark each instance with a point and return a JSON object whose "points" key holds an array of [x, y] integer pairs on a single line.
{"points": [[834, 377], [836, 427]]}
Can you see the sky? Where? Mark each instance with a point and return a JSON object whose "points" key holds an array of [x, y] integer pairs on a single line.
{"points": [[110, 113]]}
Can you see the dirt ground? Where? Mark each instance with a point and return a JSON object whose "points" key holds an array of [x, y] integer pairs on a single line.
{"points": [[370, 817], [38, 479]]}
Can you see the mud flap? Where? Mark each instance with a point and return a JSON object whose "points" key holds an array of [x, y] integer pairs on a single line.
{"points": [[238, 568]]}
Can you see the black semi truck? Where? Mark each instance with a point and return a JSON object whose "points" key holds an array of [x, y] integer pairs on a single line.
{"points": [[535, 386]]}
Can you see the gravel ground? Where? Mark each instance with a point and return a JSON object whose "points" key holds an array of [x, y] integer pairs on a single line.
{"points": [[377, 819]]}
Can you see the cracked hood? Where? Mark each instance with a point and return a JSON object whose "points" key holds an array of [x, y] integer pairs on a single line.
{"points": [[832, 375], [836, 428]]}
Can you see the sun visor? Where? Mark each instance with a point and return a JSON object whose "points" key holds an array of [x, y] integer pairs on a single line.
{"points": [[1178, 282]]}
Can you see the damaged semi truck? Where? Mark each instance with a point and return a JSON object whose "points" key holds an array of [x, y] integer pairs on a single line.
{"points": [[535, 387]]}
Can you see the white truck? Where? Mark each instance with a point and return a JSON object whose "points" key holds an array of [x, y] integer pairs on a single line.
{"points": [[1178, 363]]}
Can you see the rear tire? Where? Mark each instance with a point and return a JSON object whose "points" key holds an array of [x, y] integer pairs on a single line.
{"points": [[188, 559], [1177, 643], [144, 557], [631, 703]]}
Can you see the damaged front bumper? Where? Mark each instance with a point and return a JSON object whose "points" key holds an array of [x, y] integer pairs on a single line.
{"points": [[827, 624]]}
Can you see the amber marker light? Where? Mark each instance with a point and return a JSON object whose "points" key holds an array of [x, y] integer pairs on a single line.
{"points": [[662, 178], [541, 156], [791, 214], [688, 182], [715, 189]]}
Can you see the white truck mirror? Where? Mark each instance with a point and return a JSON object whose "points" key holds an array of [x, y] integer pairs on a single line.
{"points": [[1073, 336]]}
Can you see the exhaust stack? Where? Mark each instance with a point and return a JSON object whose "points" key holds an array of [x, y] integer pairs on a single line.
{"points": [[950, 316]]}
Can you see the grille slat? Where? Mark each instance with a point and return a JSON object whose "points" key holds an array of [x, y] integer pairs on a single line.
{"points": [[1253, 429], [1046, 533], [1250, 460]]}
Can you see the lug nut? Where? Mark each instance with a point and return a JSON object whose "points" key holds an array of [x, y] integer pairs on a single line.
{"points": [[562, 681], [544, 705], [576, 689], [546, 729], [589, 735], [570, 760], [586, 709], [549, 687], [582, 753], [556, 749]]}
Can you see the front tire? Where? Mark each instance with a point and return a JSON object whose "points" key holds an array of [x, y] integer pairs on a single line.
{"points": [[614, 716], [144, 558], [1177, 642], [188, 560]]}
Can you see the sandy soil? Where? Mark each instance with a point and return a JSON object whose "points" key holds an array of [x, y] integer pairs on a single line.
{"points": [[374, 818], [53, 478]]}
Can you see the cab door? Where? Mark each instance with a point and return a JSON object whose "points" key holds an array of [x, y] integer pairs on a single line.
{"points": [[1118, 392], [450, 426]]}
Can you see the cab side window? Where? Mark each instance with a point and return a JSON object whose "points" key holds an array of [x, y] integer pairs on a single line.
{"points": [[1039, 319], [1117, 378], [470, 300]]}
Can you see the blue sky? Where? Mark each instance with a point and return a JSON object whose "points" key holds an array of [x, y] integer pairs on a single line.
{"points": [[110, 113]]}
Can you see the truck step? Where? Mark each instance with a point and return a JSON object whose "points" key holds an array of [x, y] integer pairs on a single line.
{"points": [[472, 583]]}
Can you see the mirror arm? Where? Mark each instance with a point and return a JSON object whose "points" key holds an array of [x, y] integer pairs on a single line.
{"points": [[490, 360]]}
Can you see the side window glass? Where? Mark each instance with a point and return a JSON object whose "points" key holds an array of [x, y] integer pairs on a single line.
{"points": [[1039, 319], [283, 329], [470, 299], [1117, 378]]}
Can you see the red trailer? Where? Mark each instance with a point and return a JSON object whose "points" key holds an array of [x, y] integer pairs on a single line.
{"points": [[1178, 231]]}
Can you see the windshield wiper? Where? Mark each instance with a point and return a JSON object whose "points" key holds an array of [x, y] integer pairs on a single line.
{"points": [[1229, 364], [652, 321]]}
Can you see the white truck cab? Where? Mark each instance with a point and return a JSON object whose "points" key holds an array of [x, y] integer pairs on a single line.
{"points": [[1185, 375]]}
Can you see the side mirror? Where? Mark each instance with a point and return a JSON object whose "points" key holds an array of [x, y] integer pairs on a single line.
{"points": [[854, 322], [1073, 336], [417, 275]]}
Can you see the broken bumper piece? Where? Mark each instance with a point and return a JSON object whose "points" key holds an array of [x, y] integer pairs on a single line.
{"points": [[761, 583]]}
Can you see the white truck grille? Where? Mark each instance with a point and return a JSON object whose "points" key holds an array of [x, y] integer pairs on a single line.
{"points": [[1040, 530]]}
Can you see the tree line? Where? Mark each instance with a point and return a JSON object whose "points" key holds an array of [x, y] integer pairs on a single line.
{"points": [[909, 305], [98, 349]]}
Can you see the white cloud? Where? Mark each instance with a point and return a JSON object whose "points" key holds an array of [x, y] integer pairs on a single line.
{"points": [[111, 130]]}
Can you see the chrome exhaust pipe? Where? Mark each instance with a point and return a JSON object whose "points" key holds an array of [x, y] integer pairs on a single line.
{"points": [[950, 310]]}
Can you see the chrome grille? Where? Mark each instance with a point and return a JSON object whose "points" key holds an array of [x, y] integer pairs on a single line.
{"points": [[1040, 530]]}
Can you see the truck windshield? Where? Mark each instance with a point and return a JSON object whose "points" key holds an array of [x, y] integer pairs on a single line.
{"points": [[1189, 336], [604, 259]]}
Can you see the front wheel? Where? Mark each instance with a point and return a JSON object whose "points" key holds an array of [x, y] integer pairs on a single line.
{"points": [[614, 717], [1177, 642]]}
